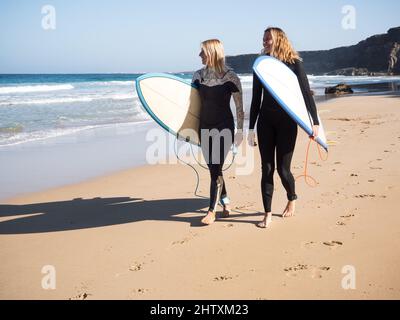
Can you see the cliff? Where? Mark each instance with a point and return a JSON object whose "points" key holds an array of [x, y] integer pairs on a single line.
{"points": [[376, 55]]}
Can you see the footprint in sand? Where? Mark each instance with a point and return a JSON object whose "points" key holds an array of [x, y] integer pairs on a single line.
{"points": [[341, 119], [80, 296], [137, 266], [316, 164], [140, 291], [245, 206], [344, 219], [313, 271], [362, 196], [223, 278], [82, 291], [294, 271], [309, 245], [317, 273], [185, 240], [333, 244]]}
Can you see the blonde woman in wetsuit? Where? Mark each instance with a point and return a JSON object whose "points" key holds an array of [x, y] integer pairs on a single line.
{"points": [[217, 84], [276, 131]]}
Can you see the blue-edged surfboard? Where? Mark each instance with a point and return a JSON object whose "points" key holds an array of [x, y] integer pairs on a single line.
{"points": [[284, 86], [172, 102]]}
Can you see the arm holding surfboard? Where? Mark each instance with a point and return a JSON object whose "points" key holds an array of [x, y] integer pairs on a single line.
{"points": [[308, 98]]}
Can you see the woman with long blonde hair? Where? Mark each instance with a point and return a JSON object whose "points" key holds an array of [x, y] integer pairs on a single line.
{"points": [[276, 131], [217, 84]]}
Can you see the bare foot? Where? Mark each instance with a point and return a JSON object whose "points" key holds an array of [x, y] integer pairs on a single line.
{"points": [[290, 209], [266, 221], [209, 218], [226, 212]]}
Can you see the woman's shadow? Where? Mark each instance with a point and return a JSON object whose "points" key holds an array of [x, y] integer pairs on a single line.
{"points": [[91, 213]]}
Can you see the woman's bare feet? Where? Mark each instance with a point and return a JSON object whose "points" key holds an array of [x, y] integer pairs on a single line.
{"points": [[266, 221], [290, 209], [226, 212], [209, 218]]}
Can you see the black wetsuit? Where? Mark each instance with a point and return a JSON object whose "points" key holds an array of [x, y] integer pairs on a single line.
{"points": [[277, 131], [217, 124]]}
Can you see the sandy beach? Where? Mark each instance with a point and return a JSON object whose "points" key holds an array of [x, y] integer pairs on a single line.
{"points": [[136, 234]]}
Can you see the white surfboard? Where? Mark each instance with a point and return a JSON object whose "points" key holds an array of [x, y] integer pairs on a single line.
{"points": [[173, 103], [284, 86]]}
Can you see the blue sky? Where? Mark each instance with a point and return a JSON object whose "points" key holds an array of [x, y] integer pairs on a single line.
{"points": [[146, 36]]}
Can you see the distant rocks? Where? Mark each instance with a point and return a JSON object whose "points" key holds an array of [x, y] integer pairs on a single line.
{"points": [[349, 72], [339, 89], [355, 72], [242, 63]]}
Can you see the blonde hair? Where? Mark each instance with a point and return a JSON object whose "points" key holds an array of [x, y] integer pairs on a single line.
{"points": [[282, 49], [214, 52]]}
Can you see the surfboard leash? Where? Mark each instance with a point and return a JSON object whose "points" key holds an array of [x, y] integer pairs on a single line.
{"points": [[201, 165], [305, 174]]}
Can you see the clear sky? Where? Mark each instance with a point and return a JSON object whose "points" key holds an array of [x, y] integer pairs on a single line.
{"points": [[154, 35]]}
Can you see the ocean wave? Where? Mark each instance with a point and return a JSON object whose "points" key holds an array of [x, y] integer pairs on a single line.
{"points": [[108, 83], [47, 101], [123, 83], [40, 135], [38, 88], [69, 99], [124, 96]]}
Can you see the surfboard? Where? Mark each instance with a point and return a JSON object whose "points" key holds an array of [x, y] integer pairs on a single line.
{"points": [[173, 103], [284, 86]]}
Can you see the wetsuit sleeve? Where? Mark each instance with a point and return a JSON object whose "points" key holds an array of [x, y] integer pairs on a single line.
{"points": [[236, 88], [305, 89], [196, 79], [255, 101]]}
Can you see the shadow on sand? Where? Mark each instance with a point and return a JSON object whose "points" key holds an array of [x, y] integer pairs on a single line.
{"points": [[98, 212]]}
